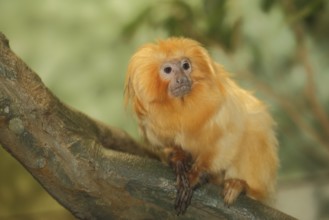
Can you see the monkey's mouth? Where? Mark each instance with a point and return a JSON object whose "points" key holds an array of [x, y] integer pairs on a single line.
{"points": [[180, 91]]}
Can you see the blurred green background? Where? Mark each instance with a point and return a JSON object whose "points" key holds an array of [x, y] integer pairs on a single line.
{"points": [[278, 49]]}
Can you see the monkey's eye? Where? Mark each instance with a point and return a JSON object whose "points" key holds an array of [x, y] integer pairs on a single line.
{"points": [[167, 69], [186, 65]]}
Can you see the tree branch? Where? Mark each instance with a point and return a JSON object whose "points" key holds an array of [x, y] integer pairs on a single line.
{"points": [[77, 159]]}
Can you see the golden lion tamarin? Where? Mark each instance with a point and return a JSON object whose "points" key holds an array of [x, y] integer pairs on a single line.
{"points": [[207, 126]]}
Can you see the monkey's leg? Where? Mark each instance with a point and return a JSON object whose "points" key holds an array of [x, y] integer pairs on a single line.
{"points": [[232, 189]]}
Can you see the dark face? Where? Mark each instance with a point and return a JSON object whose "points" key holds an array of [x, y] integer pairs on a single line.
{"points": [[178, 73]]}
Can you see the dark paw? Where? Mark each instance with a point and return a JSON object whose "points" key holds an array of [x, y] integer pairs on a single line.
{"points": [[184, 191], [183, 199], [181, 171], [181, 162]]}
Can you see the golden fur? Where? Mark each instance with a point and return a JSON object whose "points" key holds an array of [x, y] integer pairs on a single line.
{"points": [[225, 128]]}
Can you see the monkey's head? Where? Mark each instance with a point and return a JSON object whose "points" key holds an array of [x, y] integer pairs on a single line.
{"points": [[172, 69]]}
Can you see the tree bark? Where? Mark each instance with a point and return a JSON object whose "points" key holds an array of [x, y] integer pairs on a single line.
{"points": [[93, 170]]}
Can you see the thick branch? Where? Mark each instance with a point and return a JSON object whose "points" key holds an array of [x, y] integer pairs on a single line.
{"points": [[69, 154]]}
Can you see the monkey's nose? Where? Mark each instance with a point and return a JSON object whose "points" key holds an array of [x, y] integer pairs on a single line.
{"points": [[182, 80]]}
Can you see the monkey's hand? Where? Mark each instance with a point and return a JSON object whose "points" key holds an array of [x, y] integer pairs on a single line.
{"points": [[191, 180], [184, 190], [181, 162]]}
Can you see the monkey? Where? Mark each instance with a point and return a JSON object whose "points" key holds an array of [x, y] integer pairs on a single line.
{"points": [[201, 122]]}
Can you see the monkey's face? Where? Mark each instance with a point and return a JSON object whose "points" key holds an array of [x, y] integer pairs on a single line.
{"points": [[178, 73], [169, 70]]}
